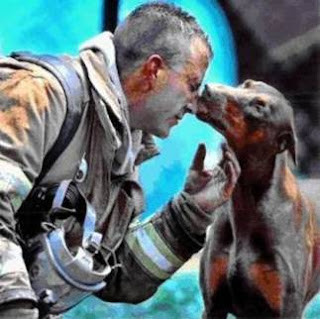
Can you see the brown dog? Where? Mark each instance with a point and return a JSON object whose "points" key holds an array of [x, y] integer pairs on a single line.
{"points": [[262, 256]]}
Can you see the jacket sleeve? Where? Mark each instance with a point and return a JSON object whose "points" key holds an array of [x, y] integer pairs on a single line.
{"points": [[154, 249], [29, 126]]}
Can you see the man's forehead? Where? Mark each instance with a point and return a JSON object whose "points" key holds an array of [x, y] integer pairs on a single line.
{"points": [[194, 58], [197, 58], [199, 53]]}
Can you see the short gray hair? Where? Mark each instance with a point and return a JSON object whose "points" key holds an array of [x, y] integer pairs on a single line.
{"points": [[155, 28]]}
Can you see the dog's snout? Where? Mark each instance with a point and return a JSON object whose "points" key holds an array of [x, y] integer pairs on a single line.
{"points": [[210, 90], [206, 91]]}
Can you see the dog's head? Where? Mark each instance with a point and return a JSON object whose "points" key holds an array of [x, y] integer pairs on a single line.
{"points": [[253, 115]]}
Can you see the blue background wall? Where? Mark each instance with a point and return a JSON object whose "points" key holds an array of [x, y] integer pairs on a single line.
{"points": [[59, 27], [48, 26]]}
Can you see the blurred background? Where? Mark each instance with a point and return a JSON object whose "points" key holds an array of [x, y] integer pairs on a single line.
{"points": [[273, 41]]}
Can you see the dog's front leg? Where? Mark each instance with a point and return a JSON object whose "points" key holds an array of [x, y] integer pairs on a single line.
{"points": [[214, 267]]}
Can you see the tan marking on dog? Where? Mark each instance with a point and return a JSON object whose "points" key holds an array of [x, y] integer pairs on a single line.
{"points": [[312, 235], [31, 97], [218, 272], [256, 137], [290, 184], [311, 226], [268, 281], [236, 120], [312, 243], [291, 190]]}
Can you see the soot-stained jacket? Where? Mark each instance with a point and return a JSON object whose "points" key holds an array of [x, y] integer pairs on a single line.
{"points": [[32, 110]]}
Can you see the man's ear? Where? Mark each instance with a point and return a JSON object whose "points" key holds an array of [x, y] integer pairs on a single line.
{"points": [[287, 141], [151, 69]]}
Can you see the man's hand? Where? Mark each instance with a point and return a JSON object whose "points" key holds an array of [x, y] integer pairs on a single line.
{"points": [[211, 188]]}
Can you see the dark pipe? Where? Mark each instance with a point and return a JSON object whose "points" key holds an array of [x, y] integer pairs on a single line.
{"points": [[110, 15]]}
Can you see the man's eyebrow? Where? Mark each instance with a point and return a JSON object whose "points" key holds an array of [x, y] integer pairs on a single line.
{"points": [[192, 77], [197, 86]]}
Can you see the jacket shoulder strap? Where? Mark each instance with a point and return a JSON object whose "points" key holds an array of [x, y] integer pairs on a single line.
{"points": [[71, 84]]}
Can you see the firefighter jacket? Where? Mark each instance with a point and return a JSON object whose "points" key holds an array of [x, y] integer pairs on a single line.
{"points": [[32, 110]]}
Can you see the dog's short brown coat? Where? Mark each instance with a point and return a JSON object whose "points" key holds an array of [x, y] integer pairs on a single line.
{"points": [[262, 256]]}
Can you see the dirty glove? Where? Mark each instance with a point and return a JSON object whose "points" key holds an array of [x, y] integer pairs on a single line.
{"points": [[211, 188]]}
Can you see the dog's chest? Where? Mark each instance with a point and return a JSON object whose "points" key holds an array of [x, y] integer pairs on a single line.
{"points": [[259, 283], [259, 229], [251, 274]]}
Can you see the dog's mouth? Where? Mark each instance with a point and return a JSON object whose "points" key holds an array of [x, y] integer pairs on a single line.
{"points": [[211, 110]]}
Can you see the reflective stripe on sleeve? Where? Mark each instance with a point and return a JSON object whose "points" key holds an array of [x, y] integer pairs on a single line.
{"points": [[14, 183], [152, 251]]}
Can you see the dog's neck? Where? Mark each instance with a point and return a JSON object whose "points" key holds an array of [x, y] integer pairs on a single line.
{"points": [[256, 189], [256, 170], [259, 173]]}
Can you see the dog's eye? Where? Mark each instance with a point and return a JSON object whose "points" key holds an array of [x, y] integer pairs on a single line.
{"points": [[247, 84], [258, 102]]}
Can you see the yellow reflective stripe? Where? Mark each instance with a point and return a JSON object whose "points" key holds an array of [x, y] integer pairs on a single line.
{"points": [[142, 258], [163, 247], [152, 251]]}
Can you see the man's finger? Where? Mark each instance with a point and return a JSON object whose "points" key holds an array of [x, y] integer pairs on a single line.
{"points": [[198, 160], [230, 156], [233, 171], [227, 154]]}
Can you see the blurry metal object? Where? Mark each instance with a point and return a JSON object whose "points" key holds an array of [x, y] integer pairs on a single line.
{"points": [[62, 276], [82, 171]]}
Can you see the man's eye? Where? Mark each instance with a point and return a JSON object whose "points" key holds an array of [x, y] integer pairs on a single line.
{"points": [[194, 87]]}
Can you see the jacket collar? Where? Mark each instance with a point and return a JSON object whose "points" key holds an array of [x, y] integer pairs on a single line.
{"points": [[99, 58]]}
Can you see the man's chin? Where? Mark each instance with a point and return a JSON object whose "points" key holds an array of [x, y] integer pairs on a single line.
{"points": [[162, 134]]}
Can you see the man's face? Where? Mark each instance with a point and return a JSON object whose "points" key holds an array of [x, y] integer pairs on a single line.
{"points": [[174, 92]]}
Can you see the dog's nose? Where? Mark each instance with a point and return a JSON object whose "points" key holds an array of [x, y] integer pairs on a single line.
{"points": [[206, 91]]}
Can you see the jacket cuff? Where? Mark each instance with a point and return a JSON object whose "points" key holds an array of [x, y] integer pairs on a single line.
{"points": [[193, 219], [188, 223], [161, 244]]}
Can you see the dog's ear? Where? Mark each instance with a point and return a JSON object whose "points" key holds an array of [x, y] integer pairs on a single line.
{"points": [[287, 141]]}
